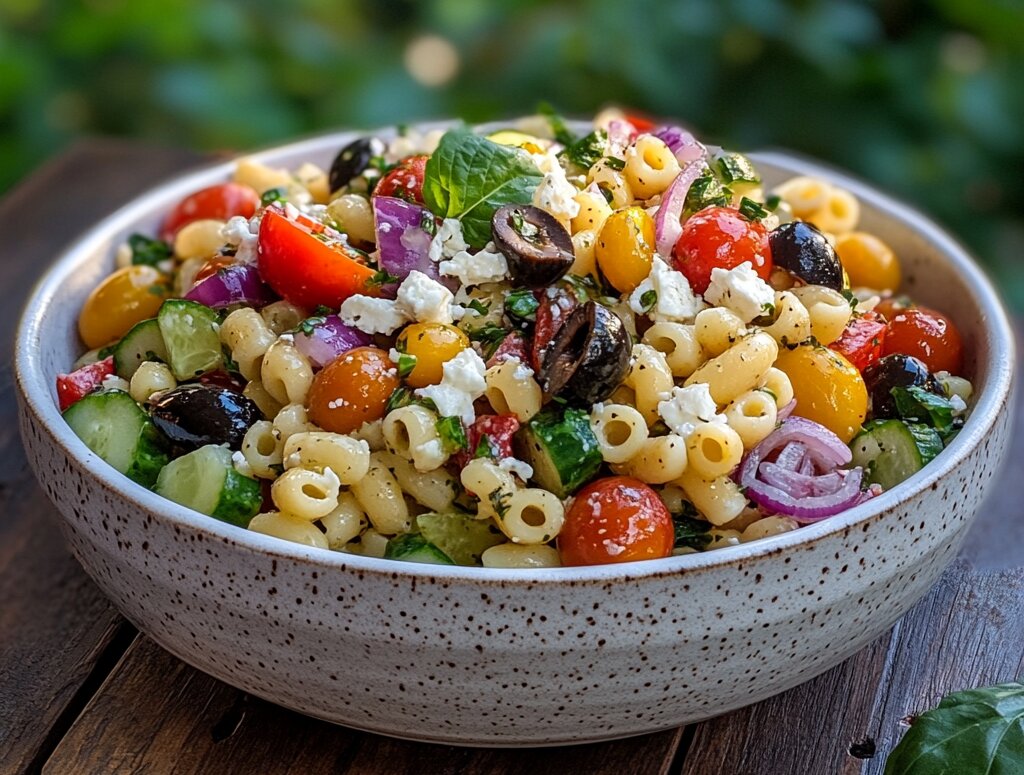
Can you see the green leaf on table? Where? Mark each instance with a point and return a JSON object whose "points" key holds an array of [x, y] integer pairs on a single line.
{"points": [[974, 731], [469, 177]]}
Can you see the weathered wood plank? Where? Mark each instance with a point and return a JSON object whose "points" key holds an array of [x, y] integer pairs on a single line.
{"points": [[968, 632], [55, 626], [157, 715]]}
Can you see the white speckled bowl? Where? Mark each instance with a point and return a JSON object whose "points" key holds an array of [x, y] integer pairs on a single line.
{"points": [[474, 656]]}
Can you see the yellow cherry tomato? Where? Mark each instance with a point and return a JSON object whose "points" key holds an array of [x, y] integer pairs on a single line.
{"points": [[625, 248], [126, 297], [828, 388], [432, 344], [511, 137], [868, 261]]}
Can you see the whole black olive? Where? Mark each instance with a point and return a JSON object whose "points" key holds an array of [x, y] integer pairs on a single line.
{"points": [[894, 371], [806, 252], [353, 159], [589, 356], [538, 248], [195, 415]]}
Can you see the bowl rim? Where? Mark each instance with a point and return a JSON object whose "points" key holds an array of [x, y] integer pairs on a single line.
{"points": [[36, 395]]}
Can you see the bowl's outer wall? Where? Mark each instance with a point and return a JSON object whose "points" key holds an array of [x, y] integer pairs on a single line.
{"points": [[486, 659]]}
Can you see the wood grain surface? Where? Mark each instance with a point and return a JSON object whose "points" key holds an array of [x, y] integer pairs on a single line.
{"points": [[79, 692]]}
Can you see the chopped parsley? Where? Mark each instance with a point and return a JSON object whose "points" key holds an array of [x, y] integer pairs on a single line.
{"points": [[751, 210], [405, 397], [707, 191], [587, 151], [614, 163], [272, 195], [452, 434], [406, 363], [478, 307], [916, 404], [558, 126], [485, 448], [490, 336], [147, 251], [522, 305], [428, 223], [382, 277], [690, 531], [499, 500], [306, 326], [648, 300], [736, 168]]}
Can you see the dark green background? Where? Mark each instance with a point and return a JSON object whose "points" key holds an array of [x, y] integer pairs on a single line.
{"points": [[924, 98]]}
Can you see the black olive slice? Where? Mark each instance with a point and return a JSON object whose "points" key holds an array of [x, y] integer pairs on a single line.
{"points": [[589, 356], [803, 250], [894, 371], [353, 159], [538, 248], [194, 415]]}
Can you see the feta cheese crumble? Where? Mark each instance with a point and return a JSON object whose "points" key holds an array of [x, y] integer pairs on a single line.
{"points": [[447, 241], [556, 194], [371, 315], [424, 299], [462, 382], [741, 290], [674, 301], [486, 266], [242, 234], [518, 467], [688, 408]]}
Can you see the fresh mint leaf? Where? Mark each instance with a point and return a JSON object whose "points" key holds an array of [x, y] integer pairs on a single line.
{"points": [[978, 730], [147, 251], [469, 177]]}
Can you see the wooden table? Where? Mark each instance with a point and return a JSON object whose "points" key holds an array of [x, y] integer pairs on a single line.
{"points": [[82, 691]]}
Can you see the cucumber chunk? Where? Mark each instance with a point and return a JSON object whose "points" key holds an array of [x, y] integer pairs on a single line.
{"points": [[562, 449], [116, 428], [206, 480], [891, 451], [143, 342], [191, 334], [412, 547], [460, 537]]}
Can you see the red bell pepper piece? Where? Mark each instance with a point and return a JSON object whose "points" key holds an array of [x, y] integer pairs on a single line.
{"points": [[79, 383], [496, 430], [862, 340]]}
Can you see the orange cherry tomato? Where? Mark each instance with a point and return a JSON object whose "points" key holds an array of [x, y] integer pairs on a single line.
{"points": [[219, 202], [928, 335], [352, 389], [719, 237], [615, 519], [126, 297], [303, 266], [405, 181]]}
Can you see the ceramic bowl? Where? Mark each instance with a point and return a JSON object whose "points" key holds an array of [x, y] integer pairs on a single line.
{"points": [[475, 656]]}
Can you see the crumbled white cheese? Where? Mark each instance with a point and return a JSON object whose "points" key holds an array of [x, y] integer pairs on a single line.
{"points": [[556, 194], [371, 434], [676, 302], [547, 162], [741, 290], [242, 465], [412, 142], [286, 338], [518, 467], [114, 382], [688, 408], [958, 404], [522, 371], [371, 315], [425, 300], [461, 384], [242, 234], [486, 266], [447, 241]]}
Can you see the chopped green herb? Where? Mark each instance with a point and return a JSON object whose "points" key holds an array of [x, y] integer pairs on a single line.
{"points": [[452, 434], [428, 223], [382, 277], [850, 298], [736, 168], [772, 202], [478, 307], [485, 448], [614, 163], [147, 251], [768, 308], [272, 195], [521, 305], [306, 326], [751, 210], [406, 363], [404, 396], [558, 126], [490, 336], [587, 151], [323, 310], [919, 405], [499, 500], [648, 300], [707, 191], [690, 531]]}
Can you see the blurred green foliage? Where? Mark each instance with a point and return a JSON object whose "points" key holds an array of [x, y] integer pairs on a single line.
{"points": [[924, 98]]}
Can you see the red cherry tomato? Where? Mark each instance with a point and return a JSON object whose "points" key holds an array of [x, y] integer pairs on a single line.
{"points": [[891, 306], [79, 383], [308, 270], [514, 345], [640, 123], [720, 237], [219, 202], [616, 519], [405, 181], [862, 339], [927, 335], [556, 304], [498, 429]]}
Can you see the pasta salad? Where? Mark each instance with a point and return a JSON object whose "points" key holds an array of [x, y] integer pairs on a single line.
{"points": [[526, 349]]}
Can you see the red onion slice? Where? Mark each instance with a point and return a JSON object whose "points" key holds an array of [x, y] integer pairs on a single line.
{"points": [[403, 243], [238, 284], [668, 221], [792, 456], [786, 410], [809, 508], [683, 144], [329, 339]]}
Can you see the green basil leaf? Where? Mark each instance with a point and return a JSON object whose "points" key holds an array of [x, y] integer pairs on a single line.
{"points": [[978, 730], [469, 177]]}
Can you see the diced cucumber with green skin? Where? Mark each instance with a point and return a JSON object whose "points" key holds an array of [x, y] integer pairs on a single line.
{"points": [[206, 481], [143, 342], [461, 537], [891, 451], [116, 428], [412, 547], [561, 448], [191, 335]]}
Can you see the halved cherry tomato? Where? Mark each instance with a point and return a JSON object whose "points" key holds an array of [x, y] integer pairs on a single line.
{"points": [[556, 304], [219, 202], [79, 383], [862, 339], [126, 297], [405, 181], [615, 519], [352, 389], [719, 237], [308, 270], [928, 335], [497, 429], [432, 345], [640, 123], [513, 346]]}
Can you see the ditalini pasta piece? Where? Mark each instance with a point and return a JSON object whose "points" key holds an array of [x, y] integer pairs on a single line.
{"points": [[740, 368]]}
